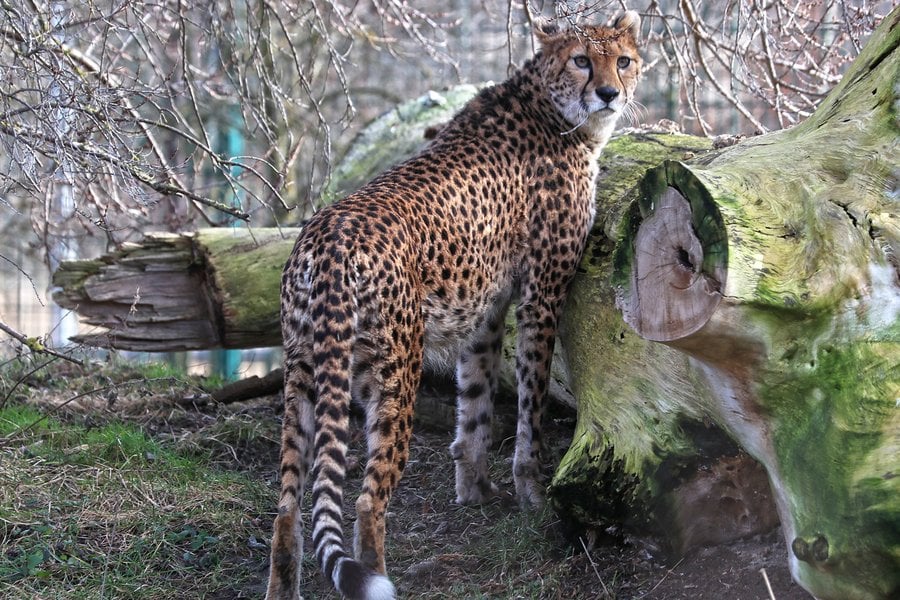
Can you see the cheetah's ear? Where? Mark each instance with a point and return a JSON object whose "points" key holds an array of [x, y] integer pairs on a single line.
{"points": [[629, 20], [544, 29]]}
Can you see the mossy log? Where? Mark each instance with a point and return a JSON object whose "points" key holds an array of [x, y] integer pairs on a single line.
{"points": [[768, 272], [214, 288]]}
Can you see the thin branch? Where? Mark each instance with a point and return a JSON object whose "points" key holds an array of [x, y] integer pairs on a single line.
{"points": [[22, 380], [22, 272], [35, 345], [163, 187]]}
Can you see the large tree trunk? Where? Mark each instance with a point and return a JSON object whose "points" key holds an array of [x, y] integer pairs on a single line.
{"points": [[769, 272]]}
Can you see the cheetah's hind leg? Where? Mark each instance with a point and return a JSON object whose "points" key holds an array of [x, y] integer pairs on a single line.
{"points": [[389, 411], [296, 458]]}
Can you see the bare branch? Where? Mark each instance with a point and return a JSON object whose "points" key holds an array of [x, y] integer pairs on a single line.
{"points": [[35, 345]]}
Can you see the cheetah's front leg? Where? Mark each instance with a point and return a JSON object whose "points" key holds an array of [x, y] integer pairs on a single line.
{"points": [[476, 379]]}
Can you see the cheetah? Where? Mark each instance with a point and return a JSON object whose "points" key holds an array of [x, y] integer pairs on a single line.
{"points": [[419, 267]]}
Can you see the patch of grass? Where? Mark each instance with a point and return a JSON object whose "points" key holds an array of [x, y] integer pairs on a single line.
{"points": [[109, 512], [18, 417], [29, 379], [239, 440]]}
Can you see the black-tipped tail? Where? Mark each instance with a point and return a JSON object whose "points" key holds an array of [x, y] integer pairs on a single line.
{"points": [[357, 582]]}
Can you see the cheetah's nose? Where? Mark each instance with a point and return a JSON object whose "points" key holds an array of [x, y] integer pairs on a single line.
{"points": [[607, 93]]}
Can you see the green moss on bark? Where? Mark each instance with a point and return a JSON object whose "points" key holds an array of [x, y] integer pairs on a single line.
{"points": [[836, 433], [246, 275], [622, 434], [803, 353]]}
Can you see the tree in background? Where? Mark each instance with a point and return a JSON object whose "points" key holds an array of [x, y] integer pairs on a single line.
{"points": [[115, 115]]}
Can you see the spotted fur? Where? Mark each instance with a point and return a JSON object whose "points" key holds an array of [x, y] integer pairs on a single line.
{"points": [[420, 265]]}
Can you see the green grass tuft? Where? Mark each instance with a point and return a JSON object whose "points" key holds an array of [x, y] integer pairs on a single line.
{"points": [[109, 512]]}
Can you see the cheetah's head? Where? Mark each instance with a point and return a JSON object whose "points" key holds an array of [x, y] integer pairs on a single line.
{"points": [[590, 72]]}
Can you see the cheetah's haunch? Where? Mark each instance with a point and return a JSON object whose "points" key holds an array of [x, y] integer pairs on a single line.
{"points": [[421, 264]]}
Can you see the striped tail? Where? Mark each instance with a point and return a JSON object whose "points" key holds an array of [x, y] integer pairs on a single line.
{"points": [[334, 334]]}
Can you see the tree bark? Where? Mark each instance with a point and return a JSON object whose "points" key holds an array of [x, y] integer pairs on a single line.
{"points": [[769, 272]]}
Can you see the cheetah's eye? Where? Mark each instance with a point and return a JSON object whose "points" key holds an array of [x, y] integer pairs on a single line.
{"points": [[623, 62], [581, 61]]}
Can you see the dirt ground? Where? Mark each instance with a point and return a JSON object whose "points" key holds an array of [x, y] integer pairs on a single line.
{"points": [[437, 549], [423, 517]]}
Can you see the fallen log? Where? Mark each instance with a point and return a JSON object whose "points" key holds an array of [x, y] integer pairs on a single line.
{"points": [[250, 388], [213, 288], [768, 274]]}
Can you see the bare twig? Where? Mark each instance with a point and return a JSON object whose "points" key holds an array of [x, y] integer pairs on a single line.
{"points": [[35, 345], [770, 61], [768, 585], [594, 567], [21, 380], [661, 579]]}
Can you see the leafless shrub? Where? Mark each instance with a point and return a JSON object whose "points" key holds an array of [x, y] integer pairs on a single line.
{"points": [[771, 61], [206, 101]]}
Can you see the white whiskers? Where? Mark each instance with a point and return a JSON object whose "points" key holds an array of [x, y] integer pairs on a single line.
{"points": [[633, 111], [582, 122]]}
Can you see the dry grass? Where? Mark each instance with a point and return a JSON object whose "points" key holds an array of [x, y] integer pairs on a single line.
{"points": [[124, 482], [92, 505]]}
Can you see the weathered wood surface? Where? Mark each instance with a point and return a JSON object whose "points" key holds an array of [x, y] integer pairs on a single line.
{"points": [[769, 270], [215, 288], [641, 455]]}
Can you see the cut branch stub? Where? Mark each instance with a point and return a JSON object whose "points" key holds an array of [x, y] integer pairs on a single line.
{"points": [[679, 262], [673, 296], [214, 288]]}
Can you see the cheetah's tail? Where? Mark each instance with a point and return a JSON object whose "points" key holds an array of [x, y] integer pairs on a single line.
{"points": [[354, 580], [333, 340]]}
